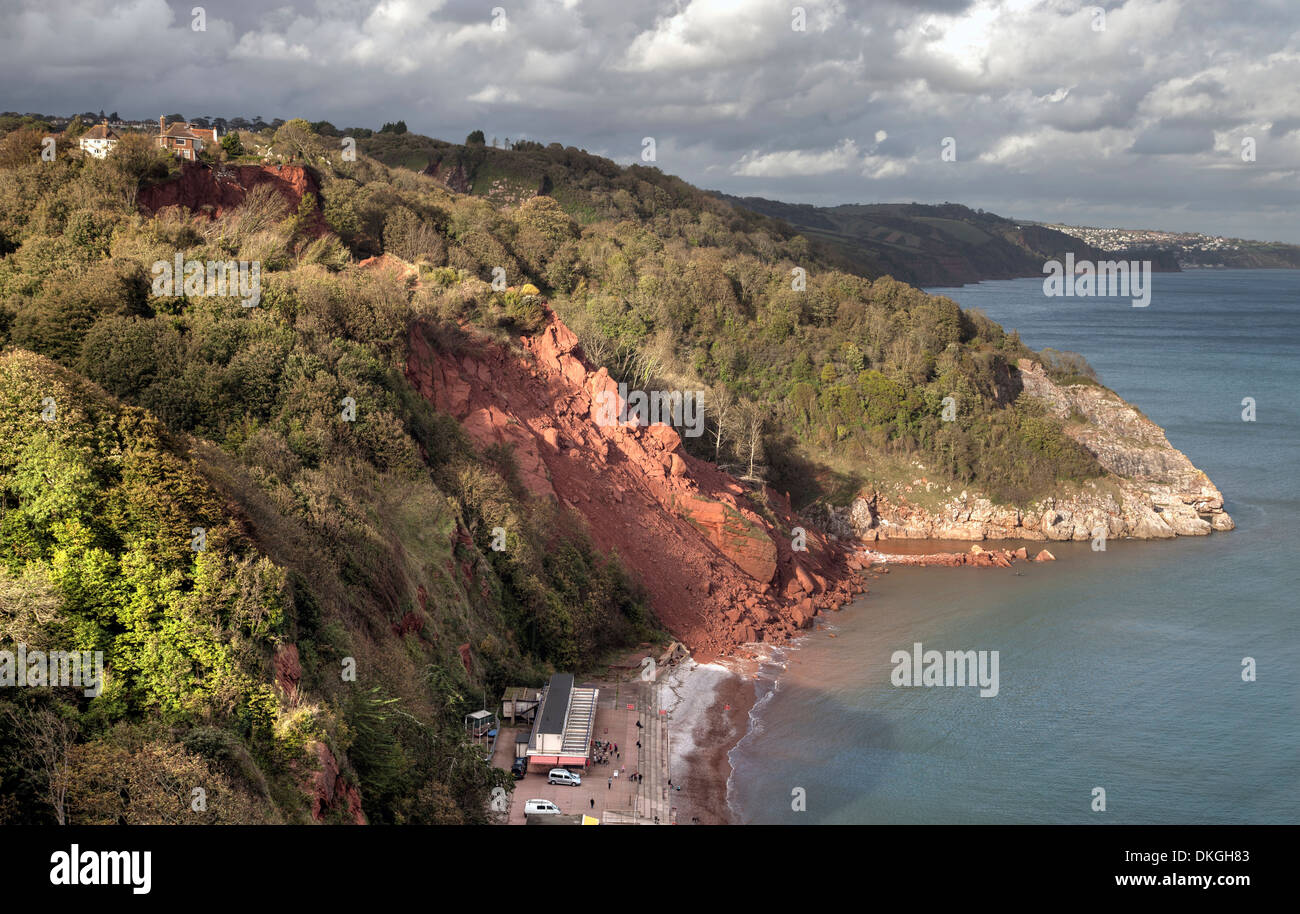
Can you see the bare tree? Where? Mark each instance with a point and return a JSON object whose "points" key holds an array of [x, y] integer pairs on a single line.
{"points": [[752, 430], [46, 740], [28, 606], [721, 403]]}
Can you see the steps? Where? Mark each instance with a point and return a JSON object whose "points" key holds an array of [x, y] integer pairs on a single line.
{"points": [[579, 723], [654, 796]]}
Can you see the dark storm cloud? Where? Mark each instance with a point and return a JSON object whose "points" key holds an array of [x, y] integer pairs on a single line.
{"points": [[1139, 121]]}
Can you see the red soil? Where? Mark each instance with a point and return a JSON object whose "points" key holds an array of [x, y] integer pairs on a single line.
{"points": [[717, 572], [217, 189]]}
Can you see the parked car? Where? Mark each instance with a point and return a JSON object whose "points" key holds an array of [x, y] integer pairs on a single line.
{"points": [[541, 808], [564, 776], [519, 768]]}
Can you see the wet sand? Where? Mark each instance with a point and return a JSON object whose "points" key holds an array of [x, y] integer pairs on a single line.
{"points": [[705, 770]]}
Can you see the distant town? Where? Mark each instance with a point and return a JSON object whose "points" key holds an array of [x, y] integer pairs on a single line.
{"points": [[1194, 250]]}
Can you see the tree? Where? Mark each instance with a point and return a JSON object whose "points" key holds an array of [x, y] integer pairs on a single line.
{"points": [[136, 157], [720, 403], [752, 419], [232, 144], [154, 784], [21, 147], [47, 741], [476, 138], [296, 142], [28, 605]]}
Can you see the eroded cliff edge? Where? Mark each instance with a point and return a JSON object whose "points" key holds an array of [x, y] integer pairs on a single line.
{"points": [[717, 560]]}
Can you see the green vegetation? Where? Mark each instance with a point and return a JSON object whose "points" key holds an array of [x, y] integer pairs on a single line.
{"points": [[929, 245], [669, 286], [335, 541], [327, 545]]}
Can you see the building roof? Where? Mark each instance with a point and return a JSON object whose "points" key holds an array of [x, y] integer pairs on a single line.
{"points": [[555, 706], [521, 693], [180, 129], [100, 132]]}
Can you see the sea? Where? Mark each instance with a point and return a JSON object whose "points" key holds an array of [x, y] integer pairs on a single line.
{"points": [[1152, 682]]}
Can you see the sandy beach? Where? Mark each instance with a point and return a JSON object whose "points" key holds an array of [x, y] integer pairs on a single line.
{"points": [[710, 706]]}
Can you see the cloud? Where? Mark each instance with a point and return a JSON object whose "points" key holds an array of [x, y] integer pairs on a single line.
{"points": [[853, 108], [843, 157], [1169, 138]]}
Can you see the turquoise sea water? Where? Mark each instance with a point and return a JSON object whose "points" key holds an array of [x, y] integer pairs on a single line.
{"points": [[1119, 670]]}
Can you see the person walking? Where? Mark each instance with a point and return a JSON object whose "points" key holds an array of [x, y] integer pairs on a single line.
{"points": [[611, 783], [593, 802]]}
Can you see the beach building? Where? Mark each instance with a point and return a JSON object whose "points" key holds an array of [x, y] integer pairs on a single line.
{"points": [[566, 719], [520, 703]]}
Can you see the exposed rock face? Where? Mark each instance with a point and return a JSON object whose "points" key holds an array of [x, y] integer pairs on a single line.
{"points": [[330, 792], [976, 558], [1151, 490], [718, 573], [288, 672], [454, 177], [217, 189]]}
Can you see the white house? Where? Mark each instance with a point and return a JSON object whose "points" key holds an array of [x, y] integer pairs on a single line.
{"points": [[98, 140]]}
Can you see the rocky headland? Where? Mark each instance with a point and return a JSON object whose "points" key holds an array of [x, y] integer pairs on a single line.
{"points": [[1150, 490]]}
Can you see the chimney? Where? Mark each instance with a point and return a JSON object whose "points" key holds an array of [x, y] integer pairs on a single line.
{"points": [[162, 124]]}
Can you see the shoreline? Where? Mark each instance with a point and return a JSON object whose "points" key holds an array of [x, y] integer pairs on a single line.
{"points": [[711, 703], [710, 707]]}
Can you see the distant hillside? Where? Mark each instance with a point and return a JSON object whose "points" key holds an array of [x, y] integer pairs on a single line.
{"points": [[926, 245]]}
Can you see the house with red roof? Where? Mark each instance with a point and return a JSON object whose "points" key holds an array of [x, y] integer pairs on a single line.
{"points": [[183, 139]]}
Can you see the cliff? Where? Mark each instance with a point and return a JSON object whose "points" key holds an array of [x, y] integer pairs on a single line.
{"points": [[217, 189], [1151, 490], [720, 570]]}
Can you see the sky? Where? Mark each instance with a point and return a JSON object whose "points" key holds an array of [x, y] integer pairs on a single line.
{"points": [[1167, 114]]}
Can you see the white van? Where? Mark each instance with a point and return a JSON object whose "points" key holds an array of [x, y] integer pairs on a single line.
{"points": [[564, 776], [541, 807]]}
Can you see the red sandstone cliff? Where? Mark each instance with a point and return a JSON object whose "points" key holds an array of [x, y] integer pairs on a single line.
{"points": [[217, 189], [718, 573]]}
